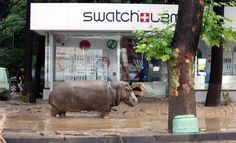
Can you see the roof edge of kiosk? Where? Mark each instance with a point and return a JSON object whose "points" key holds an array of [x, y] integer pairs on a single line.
{"points": [[84, 33], [104, 17], [100, 17]]}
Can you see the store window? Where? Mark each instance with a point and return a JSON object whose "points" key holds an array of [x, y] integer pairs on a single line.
{"points": [[73, 63], [229, 62], [134, 66], [80, 59]]}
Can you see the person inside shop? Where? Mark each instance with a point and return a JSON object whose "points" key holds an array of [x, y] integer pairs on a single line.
{"points": [[20, 79]]}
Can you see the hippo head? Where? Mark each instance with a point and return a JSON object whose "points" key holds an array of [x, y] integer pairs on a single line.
{"points": [[130, 98]]}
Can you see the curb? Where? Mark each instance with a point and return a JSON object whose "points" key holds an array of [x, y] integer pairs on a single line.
{"points": [[218, 136]]}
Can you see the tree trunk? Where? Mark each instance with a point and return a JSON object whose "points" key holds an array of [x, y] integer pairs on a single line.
{"points": [[172, 1], [214, 89], [28, 84], [181, 68], [39, 64]]}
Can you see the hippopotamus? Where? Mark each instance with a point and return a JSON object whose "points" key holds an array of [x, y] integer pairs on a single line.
{"points": [[75, 96]]}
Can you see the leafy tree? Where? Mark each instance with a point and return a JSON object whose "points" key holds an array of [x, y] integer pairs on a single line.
{"points": [[156, 43], [179, 52], [11, 35], [215, 82], [6, 6], [215, 28]]}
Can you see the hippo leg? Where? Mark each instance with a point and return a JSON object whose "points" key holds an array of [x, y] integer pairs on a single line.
{"points": [[105, 112], [105, 115], [54, 112], [62, 114]]}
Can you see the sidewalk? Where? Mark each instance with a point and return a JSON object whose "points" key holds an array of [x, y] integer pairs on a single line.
{"points": [[196, 138], [145, 123]]}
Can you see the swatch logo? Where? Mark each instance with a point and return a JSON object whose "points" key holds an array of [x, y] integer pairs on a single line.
{"points": [[130, 16]]}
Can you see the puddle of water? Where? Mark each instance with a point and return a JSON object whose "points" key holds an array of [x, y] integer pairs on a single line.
{"points": [[39, 122], [217, 124], [43, 122]]}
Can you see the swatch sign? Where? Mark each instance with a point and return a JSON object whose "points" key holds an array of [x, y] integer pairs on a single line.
{"points": [[100, 16], [130, 16]]}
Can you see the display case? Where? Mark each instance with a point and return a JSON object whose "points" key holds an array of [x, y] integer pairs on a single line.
{"points": [[80, 64]]}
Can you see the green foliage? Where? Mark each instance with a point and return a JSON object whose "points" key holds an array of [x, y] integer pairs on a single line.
{"points": [[213, 3], [24, 97], [11, 25], [14, 22], [227, 98], [215, 28], [12, 36], [156, 43], [11, 57]]}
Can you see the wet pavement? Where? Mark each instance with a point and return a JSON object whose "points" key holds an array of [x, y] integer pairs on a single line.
{"points": [[25, 124], [148, 118], [87, 123]]}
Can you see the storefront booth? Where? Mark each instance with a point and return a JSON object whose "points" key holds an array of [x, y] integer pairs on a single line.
{"points": [[95, 42]]}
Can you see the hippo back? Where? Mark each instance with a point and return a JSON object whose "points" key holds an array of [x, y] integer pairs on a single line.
{"points": [[80, 95]]}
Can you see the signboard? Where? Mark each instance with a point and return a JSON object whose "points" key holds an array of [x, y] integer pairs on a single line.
{"points": [[100, 16]]}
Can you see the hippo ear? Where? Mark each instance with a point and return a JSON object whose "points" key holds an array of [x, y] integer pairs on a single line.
{"points": [[131, 82], [127, 87]]}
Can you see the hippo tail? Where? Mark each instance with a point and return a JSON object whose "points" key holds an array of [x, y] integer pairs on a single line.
{"points": [[51, 101], [50, 97]]}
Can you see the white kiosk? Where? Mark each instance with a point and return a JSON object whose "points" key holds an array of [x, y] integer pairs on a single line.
{"points": [[84, 41]]}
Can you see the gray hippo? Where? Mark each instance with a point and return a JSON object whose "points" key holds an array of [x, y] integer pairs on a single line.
{"points": [[94, 95]]}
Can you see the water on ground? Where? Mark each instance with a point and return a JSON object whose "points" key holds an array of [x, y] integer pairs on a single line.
{"points": [[147, 118]]}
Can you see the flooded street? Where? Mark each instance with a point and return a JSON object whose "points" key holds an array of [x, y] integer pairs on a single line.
{"points": [[44, 124], [147, 118]]}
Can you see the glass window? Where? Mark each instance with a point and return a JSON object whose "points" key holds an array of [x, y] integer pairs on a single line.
{"points": [[135, 67]]}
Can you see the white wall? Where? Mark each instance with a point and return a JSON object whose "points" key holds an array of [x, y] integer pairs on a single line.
{"points": [[230, 13]]}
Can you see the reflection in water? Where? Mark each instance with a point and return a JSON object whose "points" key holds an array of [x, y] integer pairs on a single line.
{"points": [[213, 124], [217, 124]]}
